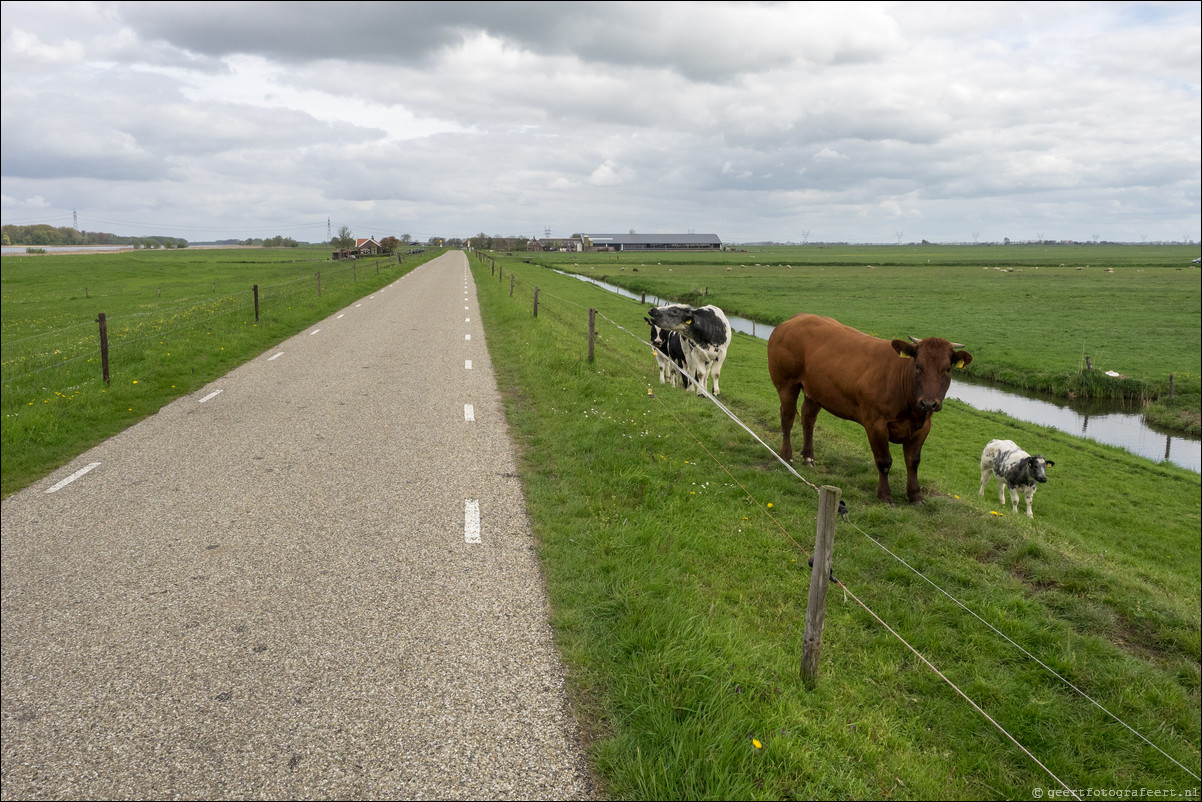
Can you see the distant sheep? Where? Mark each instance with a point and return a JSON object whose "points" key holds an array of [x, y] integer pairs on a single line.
{"points": [[1015, 469]]}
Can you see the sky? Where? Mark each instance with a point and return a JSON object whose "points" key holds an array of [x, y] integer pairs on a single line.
{"points": [[790, 122]]}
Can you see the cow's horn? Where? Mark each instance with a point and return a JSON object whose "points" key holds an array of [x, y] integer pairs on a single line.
{"points": [[957, 346], [915, 340]]}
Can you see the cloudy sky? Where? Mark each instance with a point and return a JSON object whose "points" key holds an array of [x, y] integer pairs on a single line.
{"points": [[861, 122]]}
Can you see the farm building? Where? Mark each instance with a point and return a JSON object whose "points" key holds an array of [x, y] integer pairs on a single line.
{"points": [[653, 242]]}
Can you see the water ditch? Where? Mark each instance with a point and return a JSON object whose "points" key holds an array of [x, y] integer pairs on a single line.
{"points": [[1104, 421]]}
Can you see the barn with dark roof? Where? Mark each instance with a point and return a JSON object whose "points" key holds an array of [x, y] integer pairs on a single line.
{"points": [[653, 242]]}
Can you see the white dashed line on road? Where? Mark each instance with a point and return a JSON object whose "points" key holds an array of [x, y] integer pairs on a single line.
{"points": [[277, 356], [471, 521], [210, 396], [467, 365], [469, 413], [314, 332], [90, 466]]}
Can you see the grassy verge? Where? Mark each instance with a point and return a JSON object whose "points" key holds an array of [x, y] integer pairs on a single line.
{"points": [[176, 320], [675, 552]]}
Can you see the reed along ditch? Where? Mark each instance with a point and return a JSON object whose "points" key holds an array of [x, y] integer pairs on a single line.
{"points": [[1114, 423]]}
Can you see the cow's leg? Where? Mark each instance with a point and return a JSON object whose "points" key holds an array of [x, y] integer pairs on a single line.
{"points": [[986, 474], [878, 439], [912, 452], [1030, 494], [716, 369], [1014, 499], [1001, 492], [788, 412], [809, 414]]}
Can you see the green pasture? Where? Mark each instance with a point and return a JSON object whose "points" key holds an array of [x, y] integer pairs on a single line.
{"points": [[1030, 315], [675, 551], [176, 319]]}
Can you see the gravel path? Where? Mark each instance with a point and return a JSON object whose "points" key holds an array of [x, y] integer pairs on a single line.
{"points": [[271, 593]]}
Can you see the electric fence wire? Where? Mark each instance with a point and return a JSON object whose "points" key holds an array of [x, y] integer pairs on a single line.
{"points": [[723, 408], [926, 579]]}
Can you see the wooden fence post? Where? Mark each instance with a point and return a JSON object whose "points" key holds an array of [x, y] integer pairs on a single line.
{"points": [[256, 291], [1171, 388], [511, 285], [536, 301], [104, 346], [318, 283], [811, 644], [592, 331]]}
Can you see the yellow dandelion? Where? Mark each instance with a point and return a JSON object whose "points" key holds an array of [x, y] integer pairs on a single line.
{"points": [[756, 744], [769, 505]]}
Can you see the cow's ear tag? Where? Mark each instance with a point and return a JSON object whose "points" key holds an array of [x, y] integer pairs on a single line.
{"points": [[903, 355], [960, 364], [689, 322]]}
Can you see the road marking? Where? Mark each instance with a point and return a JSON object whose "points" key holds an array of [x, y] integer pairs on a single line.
{"points": [[469, 413], [471, 521], [340, 317], [89, 467], [467, 320], [314, 332], [467, 365], [277, 356], [467, 336], [213, 394]]}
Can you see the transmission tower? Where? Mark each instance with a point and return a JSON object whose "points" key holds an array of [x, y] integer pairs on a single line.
{"points": [[75, 220]]}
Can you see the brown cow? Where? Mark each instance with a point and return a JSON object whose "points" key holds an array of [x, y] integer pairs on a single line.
{"points": [[890, 387]]}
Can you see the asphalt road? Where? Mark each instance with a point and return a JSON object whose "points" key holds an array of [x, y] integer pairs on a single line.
{"points": [[273, 592]]}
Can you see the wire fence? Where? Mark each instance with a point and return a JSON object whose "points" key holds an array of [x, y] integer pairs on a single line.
{"points": [[567, 314], [62, 358]]}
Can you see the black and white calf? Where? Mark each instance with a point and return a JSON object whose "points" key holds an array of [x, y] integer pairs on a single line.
{"points": [[1015, 469], [670, 355], [707, 334]]}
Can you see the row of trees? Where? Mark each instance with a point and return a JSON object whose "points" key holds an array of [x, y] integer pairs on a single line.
{"points": [[42, 234]]}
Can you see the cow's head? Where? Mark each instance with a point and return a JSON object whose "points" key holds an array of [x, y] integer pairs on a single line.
{"points": [[934, 359], [1037, 467], [658, 336], [673, 317]]}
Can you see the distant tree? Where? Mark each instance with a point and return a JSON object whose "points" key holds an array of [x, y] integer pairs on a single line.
{"points": [[406, 238], [389, 244], [344, 240]]}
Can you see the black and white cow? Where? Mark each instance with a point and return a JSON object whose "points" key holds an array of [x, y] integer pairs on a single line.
{"points": [[670, 355], [707, 333], [1015, 469]]}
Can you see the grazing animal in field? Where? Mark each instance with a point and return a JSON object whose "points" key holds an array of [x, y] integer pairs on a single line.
{"points": [[669, 355], [707, 333], [890, 387], [1014, 469]]}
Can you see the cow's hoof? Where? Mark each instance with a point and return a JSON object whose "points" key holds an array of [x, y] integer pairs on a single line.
{"points": [[809, 461]]}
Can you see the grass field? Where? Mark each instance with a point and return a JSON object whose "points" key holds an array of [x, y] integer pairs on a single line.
{"points": [[175, 320], [675, 549], [1029, 321], [675, 546]]}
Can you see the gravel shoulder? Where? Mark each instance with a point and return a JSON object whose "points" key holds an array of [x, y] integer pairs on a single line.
{"points": [[272, 593]]}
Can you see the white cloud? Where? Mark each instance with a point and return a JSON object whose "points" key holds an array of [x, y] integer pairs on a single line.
{"points": [[751, 116]]}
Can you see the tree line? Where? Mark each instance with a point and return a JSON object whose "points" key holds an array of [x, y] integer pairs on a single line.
{"points": [[43, 234]]}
